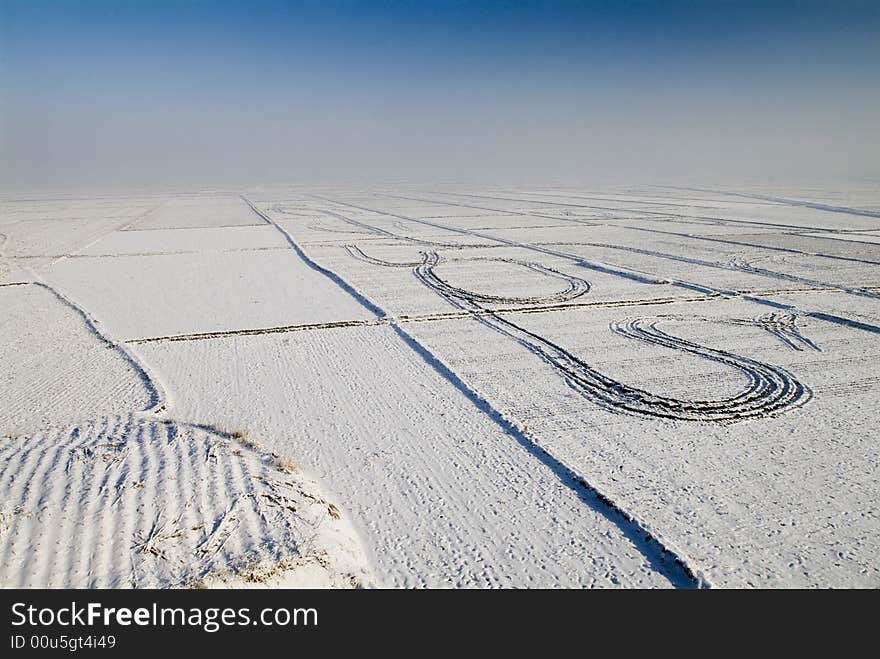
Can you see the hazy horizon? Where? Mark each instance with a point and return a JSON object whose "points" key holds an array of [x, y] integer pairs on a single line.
{"points": [[193, 93]]}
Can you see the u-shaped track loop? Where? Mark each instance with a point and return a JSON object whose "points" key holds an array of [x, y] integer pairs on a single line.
{"points": [[769, 390]]}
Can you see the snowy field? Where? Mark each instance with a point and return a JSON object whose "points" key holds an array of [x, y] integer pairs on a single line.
{"points": [[441, 386]]}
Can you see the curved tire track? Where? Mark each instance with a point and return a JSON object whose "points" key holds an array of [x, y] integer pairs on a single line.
{"points": [[769, 390], [575, 286], [357, 253]]}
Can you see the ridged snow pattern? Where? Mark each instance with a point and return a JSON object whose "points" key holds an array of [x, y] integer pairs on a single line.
{"points": [[125, 502]]}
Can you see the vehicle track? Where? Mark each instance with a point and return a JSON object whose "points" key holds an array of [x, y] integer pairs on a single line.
{"points": [[610, 214], [740, 266], [314, 226], [772, 248], [369, 228], [770, 390], [575, 220], [574, 289], [782, 325], [860, 291], [715, 220], [791, 202], [638, 200], [384, 233], [581, 261], [630, 274], [661, 555], [356, 252]]}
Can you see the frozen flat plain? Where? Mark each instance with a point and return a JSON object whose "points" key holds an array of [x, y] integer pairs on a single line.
{"points": [[441, 386]]}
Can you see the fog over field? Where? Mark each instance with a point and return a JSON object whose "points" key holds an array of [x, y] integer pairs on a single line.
{"points": [[441, 294], [174, 93]]}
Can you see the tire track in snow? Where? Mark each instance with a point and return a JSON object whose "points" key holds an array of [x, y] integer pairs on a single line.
{"points": [[589, 223], [770, 389], [861, 291], [739, 267], [706, 218], [662, 558], [772, 248], [791, 202], [629, 274], [784, 327], [357, 253], [575, 286], [384, 233]]}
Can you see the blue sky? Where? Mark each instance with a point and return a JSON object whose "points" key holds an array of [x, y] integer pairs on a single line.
{"points": [[153, 92]]}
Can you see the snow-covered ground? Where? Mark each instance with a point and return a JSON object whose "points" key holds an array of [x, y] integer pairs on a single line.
{"points": [[441, 386]]}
